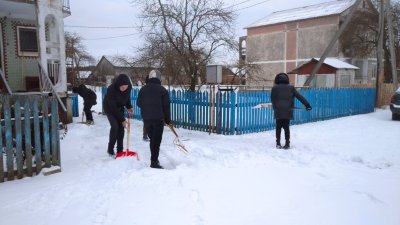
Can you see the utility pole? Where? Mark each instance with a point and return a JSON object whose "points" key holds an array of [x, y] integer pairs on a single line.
{"points": [[332, 43], [391, 45], [379, 79]]}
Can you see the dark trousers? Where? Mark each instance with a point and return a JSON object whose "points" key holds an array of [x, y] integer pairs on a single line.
{"points": [[282, 123], [116, 134], [87, 108], [155, 129]]}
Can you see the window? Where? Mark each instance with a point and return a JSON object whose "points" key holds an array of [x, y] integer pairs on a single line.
{"points": [[27, 41], [374, 71]]}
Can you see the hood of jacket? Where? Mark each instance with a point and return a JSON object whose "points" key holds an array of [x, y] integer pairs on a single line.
{"points": [[281, 78]]}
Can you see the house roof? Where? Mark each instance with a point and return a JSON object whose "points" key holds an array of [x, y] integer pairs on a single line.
{"points": [[117, 61], [307, 12], [332, 62], [336, 63]]}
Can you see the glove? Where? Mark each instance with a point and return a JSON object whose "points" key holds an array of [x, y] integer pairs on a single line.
{"points": [[169, 123], [308, 107]]}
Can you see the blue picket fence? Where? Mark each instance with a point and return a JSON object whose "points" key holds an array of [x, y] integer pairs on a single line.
{"points": [[230, 112], [29, 135]]}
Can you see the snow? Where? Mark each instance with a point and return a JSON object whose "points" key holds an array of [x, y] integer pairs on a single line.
{"points": [[337, 63], [307, 12], [344, 171]]}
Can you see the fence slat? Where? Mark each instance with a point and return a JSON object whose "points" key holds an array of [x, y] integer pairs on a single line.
{"points": [[46, 136], [54, 132], [8, 136], [36, 125], [28, 142], [18, 137], [1, 143]]}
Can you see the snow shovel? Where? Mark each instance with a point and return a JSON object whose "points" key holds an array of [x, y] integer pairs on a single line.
{"points": [[127, 152], [263, 105], [177, 142]]}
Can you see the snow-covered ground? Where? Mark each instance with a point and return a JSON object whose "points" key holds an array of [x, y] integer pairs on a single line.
{"points": [[339, 172]]}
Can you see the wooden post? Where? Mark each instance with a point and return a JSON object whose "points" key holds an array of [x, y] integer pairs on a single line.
{"points": [[379, 79], [391, 45]]}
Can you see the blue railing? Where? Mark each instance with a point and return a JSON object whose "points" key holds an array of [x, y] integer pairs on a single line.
{"points": [[233, 112]]}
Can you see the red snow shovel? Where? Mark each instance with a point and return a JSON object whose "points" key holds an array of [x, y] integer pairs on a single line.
{"points": [[127, 152]]}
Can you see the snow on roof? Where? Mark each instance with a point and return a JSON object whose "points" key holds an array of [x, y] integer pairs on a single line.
{"points": [[307, 12], [338, 64]]}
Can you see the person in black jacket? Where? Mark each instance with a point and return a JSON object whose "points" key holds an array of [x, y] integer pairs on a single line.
{"points": [[114, 103], [154, 103], [282, 96], [89, 100]]}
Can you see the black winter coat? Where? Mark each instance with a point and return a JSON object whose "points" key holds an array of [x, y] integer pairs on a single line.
{"points": [[154, 102], [115, 100], [89, 97], [282, 96]]}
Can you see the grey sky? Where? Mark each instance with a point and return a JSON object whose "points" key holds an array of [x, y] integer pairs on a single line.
{"points": [[121, 13]]}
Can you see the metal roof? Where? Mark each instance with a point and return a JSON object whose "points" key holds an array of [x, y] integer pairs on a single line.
{"points": [[307, 12]]}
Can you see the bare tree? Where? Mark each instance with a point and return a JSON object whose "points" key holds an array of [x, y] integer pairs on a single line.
{"points": [[192, 29], [76, 54]]}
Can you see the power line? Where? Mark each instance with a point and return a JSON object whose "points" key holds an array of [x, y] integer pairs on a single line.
{"points": [[95, 27], [104, 38], [136, 27], [252, 5]]}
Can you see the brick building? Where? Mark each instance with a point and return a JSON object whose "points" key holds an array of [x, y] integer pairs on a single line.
{"points": [[286, 39]]}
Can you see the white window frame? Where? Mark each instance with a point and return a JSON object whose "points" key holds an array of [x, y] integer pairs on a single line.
{"points": [[1, 48], [26, 53]]}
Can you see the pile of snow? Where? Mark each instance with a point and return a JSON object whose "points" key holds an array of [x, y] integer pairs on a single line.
{"points": [[344, 171]]}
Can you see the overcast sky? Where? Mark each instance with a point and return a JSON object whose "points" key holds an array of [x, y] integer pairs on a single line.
{"points": [[122, 13]]}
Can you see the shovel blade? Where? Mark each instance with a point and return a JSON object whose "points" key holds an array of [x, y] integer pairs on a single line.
{"points": [[127, 153]]}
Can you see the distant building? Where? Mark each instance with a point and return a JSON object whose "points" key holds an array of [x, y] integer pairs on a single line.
{"points": [[332, 73], [111, 66], [284, 40]]}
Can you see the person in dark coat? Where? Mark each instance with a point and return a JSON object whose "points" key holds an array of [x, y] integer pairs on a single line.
{"points": [[154, 103], [115, 101], [89, 100], [282, 96]]}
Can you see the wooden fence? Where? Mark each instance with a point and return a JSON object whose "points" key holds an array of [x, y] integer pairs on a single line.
{"points": [[29, 135], [232, 112]]}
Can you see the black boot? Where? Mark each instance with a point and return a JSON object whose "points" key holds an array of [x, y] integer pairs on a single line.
{"points": [[278, 144], [156, 165], [287, 145], [110, 149]]}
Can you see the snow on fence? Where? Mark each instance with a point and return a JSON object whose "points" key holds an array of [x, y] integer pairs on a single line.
{"points": [[232, 112], [28, 145]]}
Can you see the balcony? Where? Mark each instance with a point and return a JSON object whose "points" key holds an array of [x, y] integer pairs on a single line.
{"points": [[66, 9]]}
